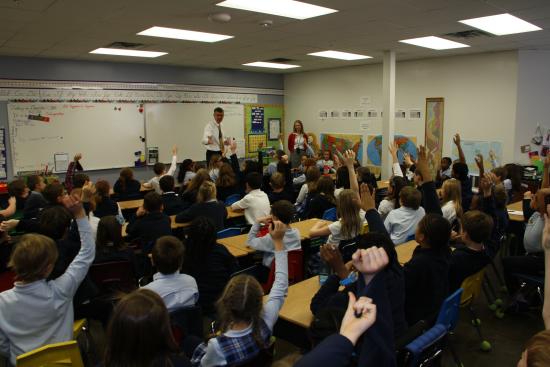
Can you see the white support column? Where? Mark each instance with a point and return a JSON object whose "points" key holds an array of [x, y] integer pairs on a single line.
{"points": [[388, 119]]}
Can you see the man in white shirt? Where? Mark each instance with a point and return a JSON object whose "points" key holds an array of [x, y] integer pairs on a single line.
{"points": [[213, 137], [255, 203]]}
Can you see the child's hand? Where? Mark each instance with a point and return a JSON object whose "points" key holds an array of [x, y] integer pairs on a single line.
{"points": [[392, 147], [456, 139], [277, 233], [422, 165], [367, 199], [479, 160], [360, 315], [233, 146], [266, 220], [349, 158], [486, 185], [333, 258], [370, 261], [12, 201], [175, 150], [73, 204], [9, 225], [141, 212]]}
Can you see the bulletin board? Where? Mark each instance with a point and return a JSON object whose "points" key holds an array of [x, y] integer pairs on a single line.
{"points": [[260, 124]]}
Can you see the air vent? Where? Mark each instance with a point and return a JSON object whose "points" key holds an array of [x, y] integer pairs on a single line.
{"points": [[280, 60], [125, 45], [474, 33]]}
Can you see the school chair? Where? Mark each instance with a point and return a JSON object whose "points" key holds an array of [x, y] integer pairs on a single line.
{"points": [[186, 321], [330, 214], [66, 354], [231, 199], [229, 232], [448, 317], [113, 276], [426, 350], [295, 270], [471, 290], [313, 262]]}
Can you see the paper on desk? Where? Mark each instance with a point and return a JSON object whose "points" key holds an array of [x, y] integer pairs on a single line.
{"points": [[515, 212]]}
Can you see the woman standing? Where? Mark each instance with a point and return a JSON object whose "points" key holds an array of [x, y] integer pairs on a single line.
{"points": [[297, 143]]}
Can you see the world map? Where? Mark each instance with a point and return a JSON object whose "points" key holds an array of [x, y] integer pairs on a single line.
{"points": [[405, 144]]}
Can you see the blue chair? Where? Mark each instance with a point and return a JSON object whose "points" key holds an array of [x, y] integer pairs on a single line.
{"points": [[229, 232], [330, 214], [449, 312], [427, 348], [232, 199]]}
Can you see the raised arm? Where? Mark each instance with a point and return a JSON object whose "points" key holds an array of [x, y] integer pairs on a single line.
{"points": [[479, 162], [174, 163], [10, 210], [371, 214], [430, 201], [349, 159], [396, 168], [457, 142]]}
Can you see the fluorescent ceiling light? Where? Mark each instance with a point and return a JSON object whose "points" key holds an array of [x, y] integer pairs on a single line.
{"points": [[340, 55], [182, 34], [284, 8], [273, 65], [123, 52], [501, 24], [436, 43]]}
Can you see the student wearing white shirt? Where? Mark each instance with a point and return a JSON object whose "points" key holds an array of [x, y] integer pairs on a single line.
{"points": [[160, 171], [401, 223], [255, 203], [212, 136], [451, 200]]}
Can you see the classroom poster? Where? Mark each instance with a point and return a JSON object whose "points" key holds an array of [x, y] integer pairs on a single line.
{"points": [[472, 148], [268, 113], [435, 108], [405, 144], [343, 142], [257, 120]]}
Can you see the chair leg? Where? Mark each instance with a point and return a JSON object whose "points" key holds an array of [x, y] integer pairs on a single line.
{"points": [[476, 322]]}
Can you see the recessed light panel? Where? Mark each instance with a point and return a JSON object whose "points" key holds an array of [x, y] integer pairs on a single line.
{"points": [[435, 43], [182, 34], [340, 55], [284, 8], [123, 52], [272, 65], [501, 24]]}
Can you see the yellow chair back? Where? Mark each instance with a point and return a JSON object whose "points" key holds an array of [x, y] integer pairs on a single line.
{"points": [[472, 287], [58, 354]]}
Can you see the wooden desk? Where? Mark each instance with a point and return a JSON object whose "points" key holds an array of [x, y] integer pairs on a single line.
{"points": [[130, 204], [145, 189], [405, 251], [383, 184], [234, 213], [305, 227], [517, 206]]}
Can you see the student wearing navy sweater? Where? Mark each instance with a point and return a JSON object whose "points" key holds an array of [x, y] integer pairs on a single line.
{"points": [[150, 222], [171, 202], [104, 205], [126, 187], [206, 206]]}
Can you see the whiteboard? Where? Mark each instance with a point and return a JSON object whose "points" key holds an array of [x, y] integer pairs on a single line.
{"points": [[182, 124], [107, 134]]}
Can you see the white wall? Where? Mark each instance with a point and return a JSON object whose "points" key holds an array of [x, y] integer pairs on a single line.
{"points": [[479, 91], [533, 98]]}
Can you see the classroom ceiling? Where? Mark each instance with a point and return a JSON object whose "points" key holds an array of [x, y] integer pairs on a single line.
{"points": [[69, 29]]}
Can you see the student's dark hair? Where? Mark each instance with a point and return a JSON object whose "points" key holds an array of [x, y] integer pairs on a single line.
{"points": [[201, 176], [514, 172], [397, 183], [185, 166], [410, 197], [33, 181], [109, 234], [460, 171], [342, 178], [284, 210], [152, 202], [226, 176], [254, 180], [16, 188], [200, 241], [312, 178], [538, 353], [126, 175], [54, 222], [103, 189], [437, 231], [159, 168], [250, 167], [364, 175], [500, 172], [79, 180], [500, 196], [478, 225], [167, 183], [280, 153], [52, 192], [139, 333], [218, 109], [448, 160], [168, 254], [325, 187]]}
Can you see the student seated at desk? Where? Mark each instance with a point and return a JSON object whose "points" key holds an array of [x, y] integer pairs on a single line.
{"points": [[214, 166], [104, 205], [391, 201], [189, 194], [126, 187], [255, 203], [36, 200], [110, 245], [301, 178], [73, 166], [401, 223], [210, 263], [282, 211], [149, 223], [226, 183], [471, 256], [160, 170], [18, 189], [37, 311], [186, 172], [279, 189], [171, 202], [176, 290], [308, 188], [451, 200], [321, 200], [444, 172], [326, 165], [246, 322], [140, 334], [206, 206], [80, 180]]}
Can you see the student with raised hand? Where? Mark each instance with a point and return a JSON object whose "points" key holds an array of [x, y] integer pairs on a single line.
{"points": [[160, 170], [279, 189], [537, 348], [226, 183], [36, 200], [171, 202], [444, 172], [401, 223], [493, 203], [460, 172], [126, 186], [104, 205], [37, 312], [246, 322], [139, 334], [186, 171], [73, 166]]}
